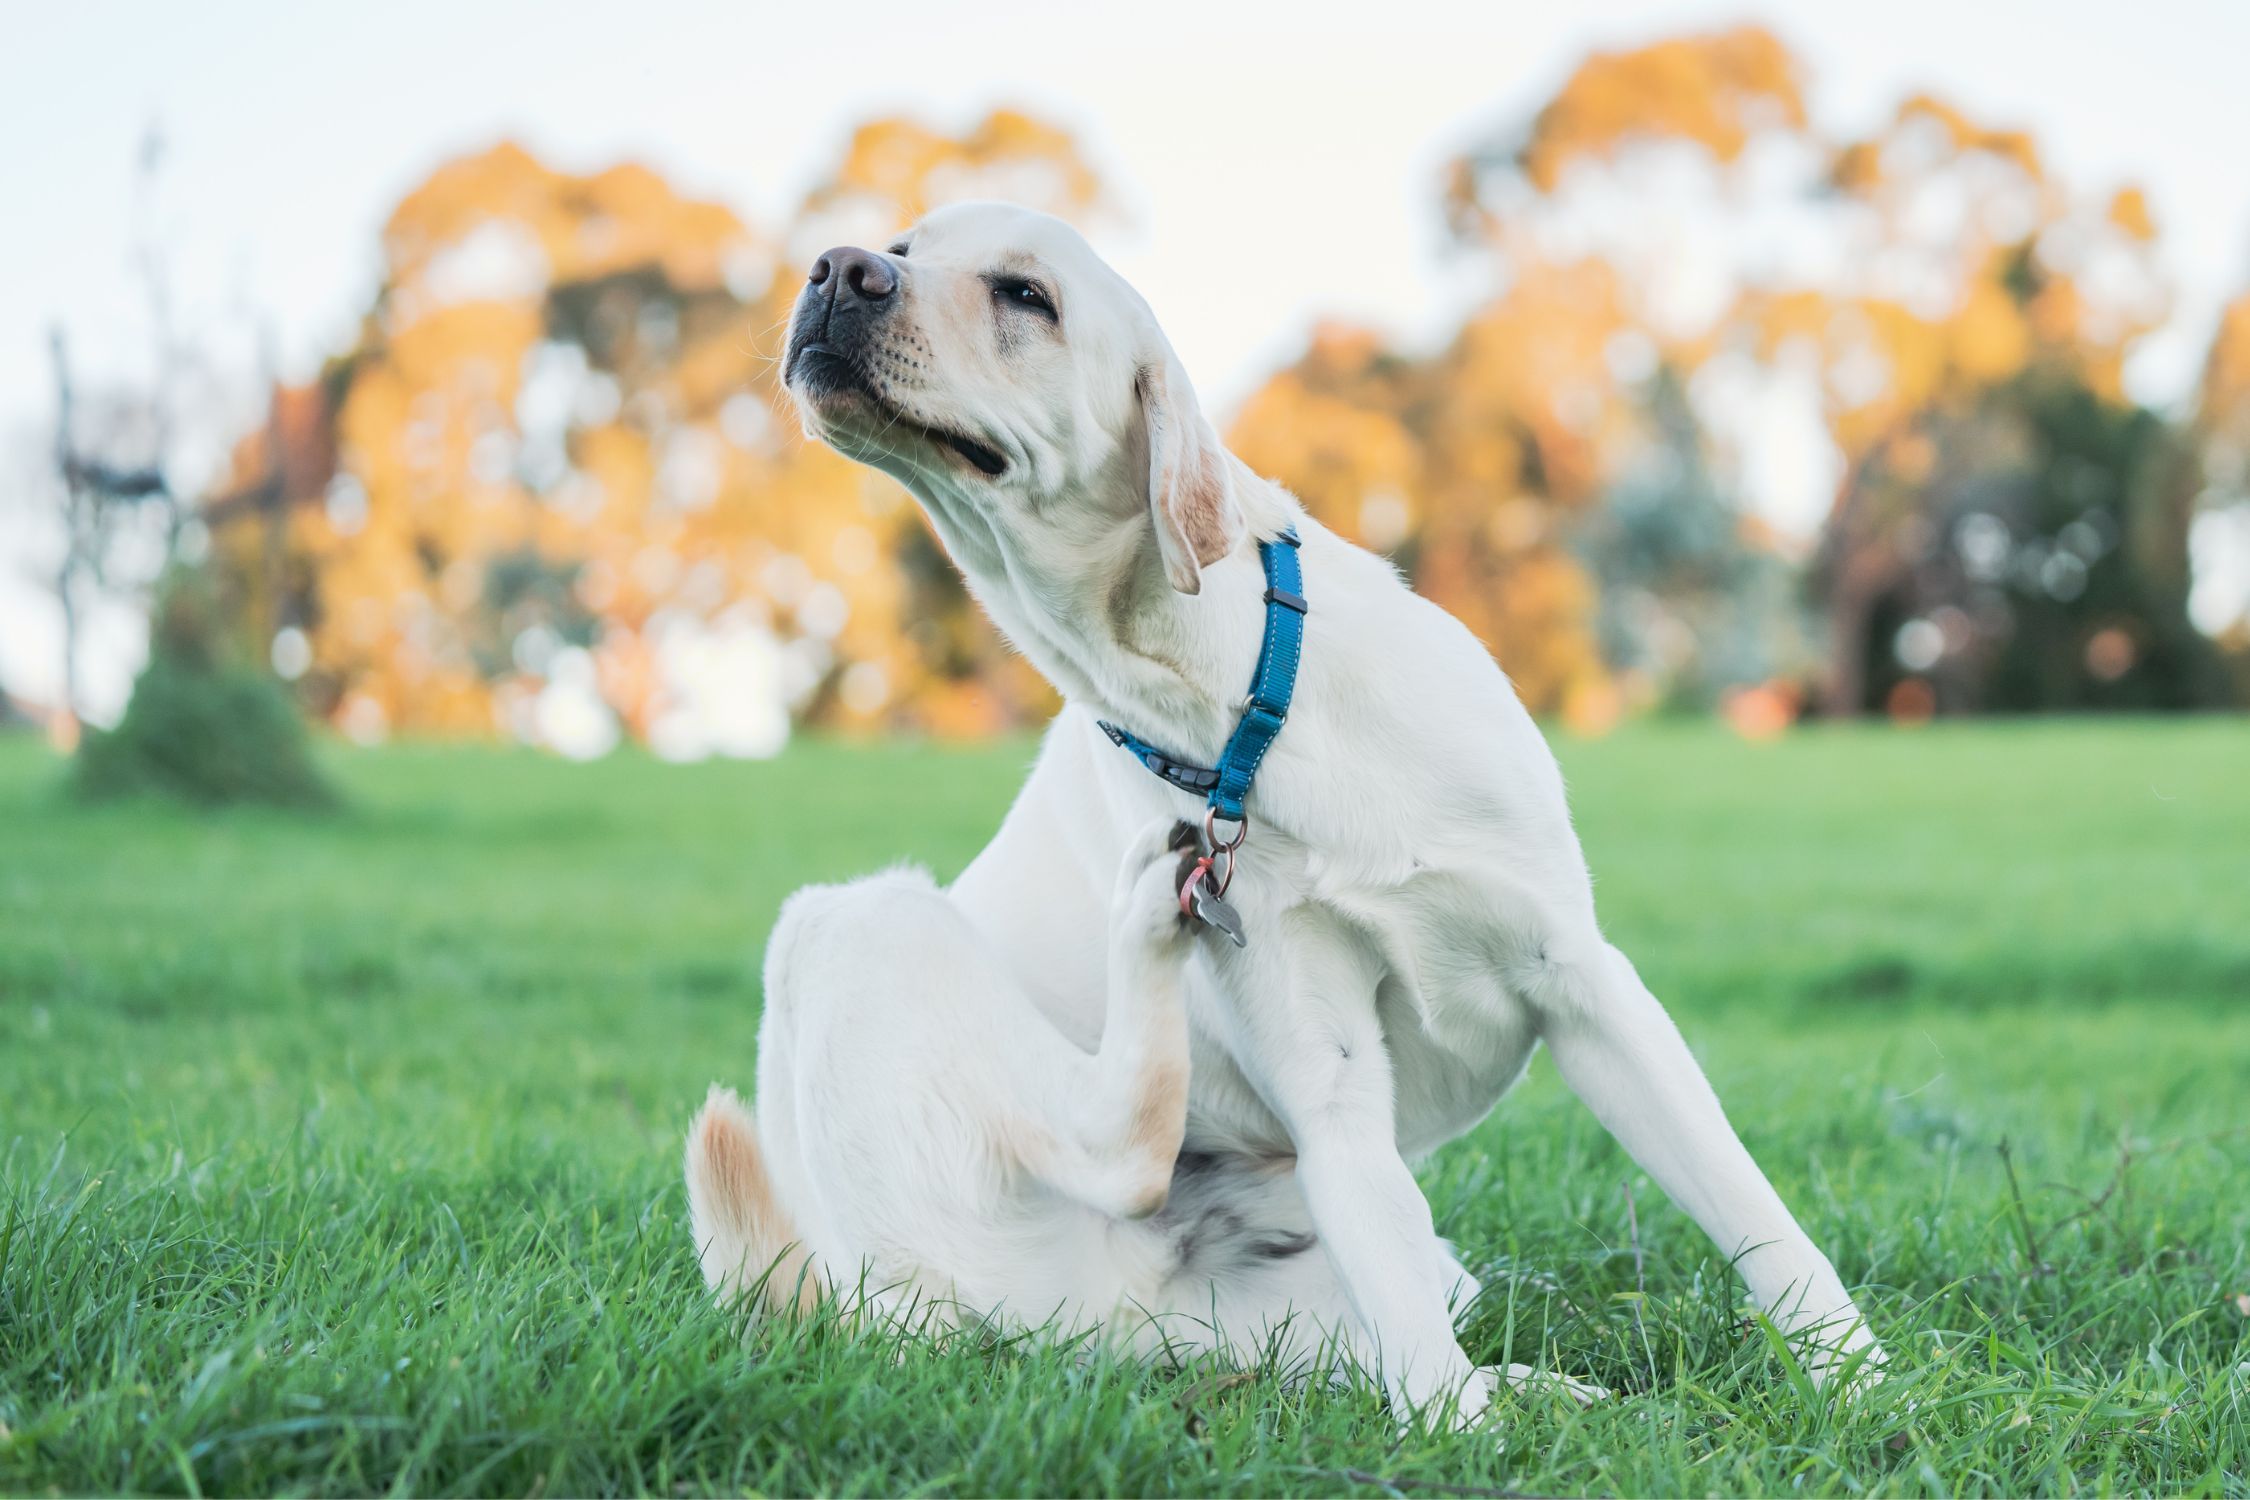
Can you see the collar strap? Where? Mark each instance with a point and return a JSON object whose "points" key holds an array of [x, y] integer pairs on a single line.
{"points": [[1226, 786]]}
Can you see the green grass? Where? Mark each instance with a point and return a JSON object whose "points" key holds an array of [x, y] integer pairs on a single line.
{"points": [[340, 1154]]}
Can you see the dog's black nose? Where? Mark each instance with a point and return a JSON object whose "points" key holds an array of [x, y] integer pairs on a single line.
{"points": [[863, 273]]}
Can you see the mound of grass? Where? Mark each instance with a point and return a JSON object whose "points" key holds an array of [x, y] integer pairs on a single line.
{"points": [[342, 1155], [201, 729]]}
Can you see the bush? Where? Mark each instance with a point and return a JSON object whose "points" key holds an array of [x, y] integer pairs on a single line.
{"points": [[201, 729]]}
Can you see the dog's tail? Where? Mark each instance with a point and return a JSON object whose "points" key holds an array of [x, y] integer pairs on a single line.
{"points": [[742, 1233]]}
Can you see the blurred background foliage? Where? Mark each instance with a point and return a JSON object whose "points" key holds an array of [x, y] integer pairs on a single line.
{"points": [[202, 728], [552, 490]]}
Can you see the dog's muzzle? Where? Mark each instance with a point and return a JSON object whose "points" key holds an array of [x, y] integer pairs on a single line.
{"points": [[835, 332], [847, 294]]}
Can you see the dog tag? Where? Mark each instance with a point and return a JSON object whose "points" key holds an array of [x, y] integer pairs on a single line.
{"points": [[1215, 911]]}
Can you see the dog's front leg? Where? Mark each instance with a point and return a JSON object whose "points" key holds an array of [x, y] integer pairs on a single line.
{"points": [[1619, 1052], [1308, 1037]]}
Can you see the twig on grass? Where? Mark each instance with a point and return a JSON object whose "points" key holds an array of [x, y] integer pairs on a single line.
{"points": [[2039, 1266], [1210, 1385], [2099, 1201]]}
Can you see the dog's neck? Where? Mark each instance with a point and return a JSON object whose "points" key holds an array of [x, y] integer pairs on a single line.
{"points": [[1084, 596]]}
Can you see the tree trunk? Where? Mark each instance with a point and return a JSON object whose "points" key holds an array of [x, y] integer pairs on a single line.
{"points": [[68, 598]]}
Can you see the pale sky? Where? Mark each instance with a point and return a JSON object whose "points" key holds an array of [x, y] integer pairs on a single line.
{"points": [[1277, 166]]}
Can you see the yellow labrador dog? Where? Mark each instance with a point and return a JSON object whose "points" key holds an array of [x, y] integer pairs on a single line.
{"points": [[1418, 913], [926, 1140]]}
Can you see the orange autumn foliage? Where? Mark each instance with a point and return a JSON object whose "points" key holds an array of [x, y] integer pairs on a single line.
{"points": [[561, 428]]}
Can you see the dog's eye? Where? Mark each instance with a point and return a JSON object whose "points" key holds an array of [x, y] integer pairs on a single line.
{"points": [[898, 250], [1017, 292]]}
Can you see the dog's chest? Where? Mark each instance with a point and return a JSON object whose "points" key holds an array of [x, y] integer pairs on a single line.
{"points": [[1457, 1036], [1443, 1082], [1452, 1056]]}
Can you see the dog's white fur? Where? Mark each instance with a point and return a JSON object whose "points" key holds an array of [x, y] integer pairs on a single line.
{"points": [[923, 1128], [1420, 915]]}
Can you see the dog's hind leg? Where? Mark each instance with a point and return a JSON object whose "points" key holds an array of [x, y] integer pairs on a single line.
{"points": [[1113, 1122], [1619, 1051]]}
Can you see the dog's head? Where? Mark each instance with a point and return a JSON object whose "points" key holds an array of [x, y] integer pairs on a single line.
{"points": [[989, 360]]}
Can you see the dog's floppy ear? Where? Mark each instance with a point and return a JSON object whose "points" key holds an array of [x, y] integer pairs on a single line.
{"points": [[1190, 491]]}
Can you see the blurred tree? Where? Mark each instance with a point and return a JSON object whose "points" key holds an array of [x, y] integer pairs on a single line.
{"points": [[895, 170], [2008, 534], [1478, 468], [1668, 241], [2216, 473], [201, 728], [553, 487], [2223, 405], [1455, 468], [102, 497], [1966, 318], [1716, 91], [2034, 556], [1694, 600], [118, 515], [199, 724]]}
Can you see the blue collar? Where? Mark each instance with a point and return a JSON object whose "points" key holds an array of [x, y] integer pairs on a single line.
{"points": [[1227, 785]]}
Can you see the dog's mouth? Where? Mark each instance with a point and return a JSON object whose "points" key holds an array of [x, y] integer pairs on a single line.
{"points": [[819, 372], [988, 460]]}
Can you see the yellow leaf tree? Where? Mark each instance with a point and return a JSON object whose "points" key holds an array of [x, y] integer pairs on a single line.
{"points": [[1672, 233], [555, 489]]}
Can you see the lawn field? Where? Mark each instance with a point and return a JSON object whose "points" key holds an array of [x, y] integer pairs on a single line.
{"points": [[340, 1154]]}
